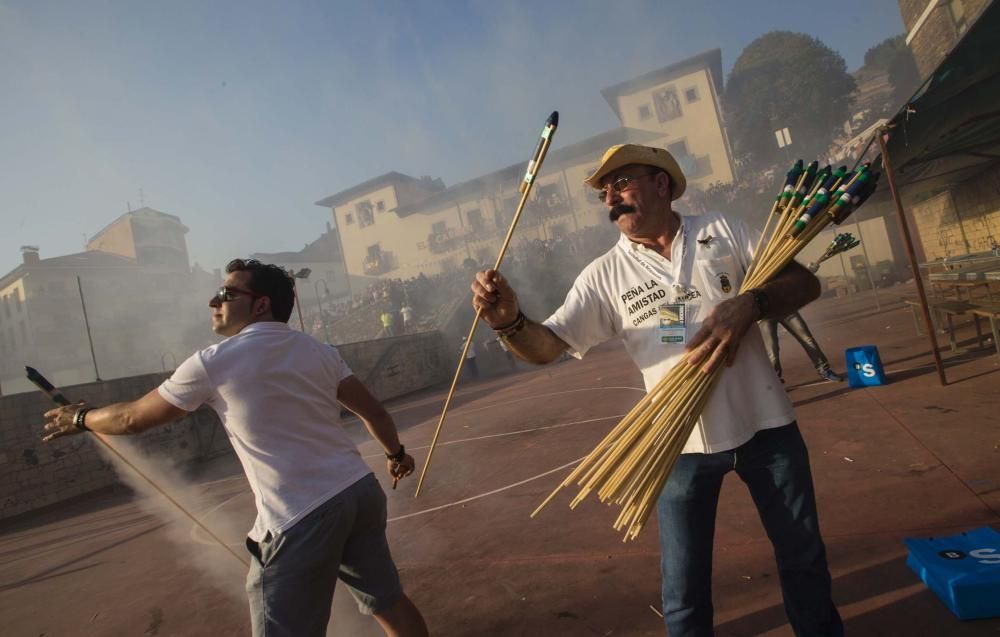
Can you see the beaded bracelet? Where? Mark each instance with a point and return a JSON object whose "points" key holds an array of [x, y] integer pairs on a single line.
{"points": [[512, 328], [79, 419]]}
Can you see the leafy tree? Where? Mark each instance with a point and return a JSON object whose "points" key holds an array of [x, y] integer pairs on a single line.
{"points": [[894, 57], [880, 56], [784, 79], [904, 77]]}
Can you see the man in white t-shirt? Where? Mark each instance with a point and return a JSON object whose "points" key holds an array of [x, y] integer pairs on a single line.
{"points": [[321, 514], [407, 313], [668, 290]]}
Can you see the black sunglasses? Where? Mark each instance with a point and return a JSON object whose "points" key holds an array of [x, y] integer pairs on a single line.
{"points": [[226, 294]]}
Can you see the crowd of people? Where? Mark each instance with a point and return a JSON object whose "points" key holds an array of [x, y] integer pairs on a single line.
{"points": [[392, 307]]}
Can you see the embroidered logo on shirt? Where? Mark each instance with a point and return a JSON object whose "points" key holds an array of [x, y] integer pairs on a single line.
{"points": [[724, 283], [706, 240]]}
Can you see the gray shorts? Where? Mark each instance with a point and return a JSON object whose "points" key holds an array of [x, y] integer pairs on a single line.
{"points": [[293, 574]]}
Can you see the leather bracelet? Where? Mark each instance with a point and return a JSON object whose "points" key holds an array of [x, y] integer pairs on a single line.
{"points": [[520, 315], [399, 455], [79, 419], [513, 328]]}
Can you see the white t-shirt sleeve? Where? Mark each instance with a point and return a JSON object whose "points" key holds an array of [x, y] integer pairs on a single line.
{"points": [[189, 386], [338, 368], [583, 321]]}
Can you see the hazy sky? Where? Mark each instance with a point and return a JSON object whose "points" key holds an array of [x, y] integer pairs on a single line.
{"points": [[238, 116]]}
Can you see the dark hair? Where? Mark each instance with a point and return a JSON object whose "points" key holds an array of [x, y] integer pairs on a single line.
{"points": [[268, 280]]}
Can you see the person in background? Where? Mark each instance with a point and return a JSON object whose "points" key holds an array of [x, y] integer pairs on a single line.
{"points": [[471, 368], [386, 318], [796, 326], [407, 313]]}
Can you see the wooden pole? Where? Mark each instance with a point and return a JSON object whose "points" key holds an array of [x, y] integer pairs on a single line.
{"points": [[86, 323], [529, 179], [910, 253]]}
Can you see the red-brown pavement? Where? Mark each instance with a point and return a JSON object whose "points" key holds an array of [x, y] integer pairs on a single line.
{"points": [[908, 459]]}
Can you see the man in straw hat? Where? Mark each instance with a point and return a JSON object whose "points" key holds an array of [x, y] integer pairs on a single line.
{"points": [[321, 513], [668, 290]]}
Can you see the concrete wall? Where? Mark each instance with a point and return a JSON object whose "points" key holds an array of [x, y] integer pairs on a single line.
{"points": [[392, 367], [34, 474]]}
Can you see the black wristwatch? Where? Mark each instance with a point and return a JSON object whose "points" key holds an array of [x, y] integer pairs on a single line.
{"points": [[399, 455], [760, 301]]}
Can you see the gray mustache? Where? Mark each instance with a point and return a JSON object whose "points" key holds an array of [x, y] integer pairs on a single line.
{"points": [[619, 210]]}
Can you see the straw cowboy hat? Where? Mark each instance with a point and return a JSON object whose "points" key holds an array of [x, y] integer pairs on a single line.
{"points": [[625, 154]]}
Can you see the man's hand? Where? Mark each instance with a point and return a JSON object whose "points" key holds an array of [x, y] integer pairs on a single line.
{"points": [[719, 337], [400, 468], [61, 421], [492, 294]]}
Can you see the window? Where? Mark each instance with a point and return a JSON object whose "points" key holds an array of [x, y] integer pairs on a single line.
{"points": [[645, 112], [703, 166], [678, 149], [17, 299], [366, 215], [374, 252], [380, 206], [439, 228], [667, 105], [691, 94], [475, 218], [349, 218]]}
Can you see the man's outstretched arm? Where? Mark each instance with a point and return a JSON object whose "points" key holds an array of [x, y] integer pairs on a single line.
{"points": [[114, 420], [528, 340]]}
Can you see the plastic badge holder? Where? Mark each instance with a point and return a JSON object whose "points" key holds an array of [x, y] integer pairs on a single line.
{"points": [[864, 367], [963, 570]]}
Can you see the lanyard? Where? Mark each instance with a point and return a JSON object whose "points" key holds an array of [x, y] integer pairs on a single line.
{"points": [[645, 265]]}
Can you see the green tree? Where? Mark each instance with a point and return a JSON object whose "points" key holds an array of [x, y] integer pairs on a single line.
{"points": [[786, 80], [904, 77], [894, 57], [880, 56]]}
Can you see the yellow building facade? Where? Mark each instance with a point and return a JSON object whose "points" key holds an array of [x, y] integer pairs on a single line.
{"points": [[397, 226]]}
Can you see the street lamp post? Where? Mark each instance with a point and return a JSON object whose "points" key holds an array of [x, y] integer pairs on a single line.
{"points": [[301, 274], [319, 302]]}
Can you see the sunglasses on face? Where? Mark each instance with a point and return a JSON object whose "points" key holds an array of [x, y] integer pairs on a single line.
{"points": [[619, 185], [226, 294]]}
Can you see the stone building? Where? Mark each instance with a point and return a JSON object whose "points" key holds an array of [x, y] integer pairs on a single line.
{"points": [[146, 308], [933, 27]]}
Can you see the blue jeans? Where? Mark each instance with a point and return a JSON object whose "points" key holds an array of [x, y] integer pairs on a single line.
{"points": [[774, 464]]}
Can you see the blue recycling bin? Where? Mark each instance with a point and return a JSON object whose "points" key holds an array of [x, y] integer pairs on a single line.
{"points": [[864, 367], [963, 570]]}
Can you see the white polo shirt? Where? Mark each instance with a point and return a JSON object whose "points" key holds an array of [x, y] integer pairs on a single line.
{"points": [[656, 305], [275, 391]]}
